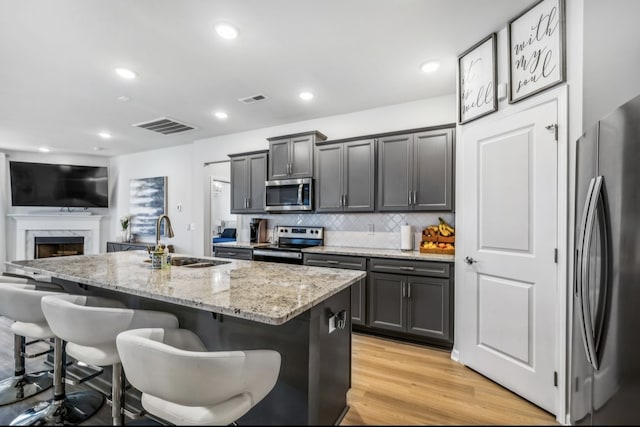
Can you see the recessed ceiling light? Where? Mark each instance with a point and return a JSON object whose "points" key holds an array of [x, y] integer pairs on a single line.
{"points": [[104, 135], [221, 115], [44, 149], [307, 96], [124, 98], [126, 73], [98, 148], [227, 31], [430, 66]]}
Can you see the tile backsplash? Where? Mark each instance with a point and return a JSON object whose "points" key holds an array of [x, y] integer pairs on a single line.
{"points": [[352, 229]]}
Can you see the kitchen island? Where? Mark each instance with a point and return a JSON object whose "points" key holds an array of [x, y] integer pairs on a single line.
{"points": [[240, 305]]}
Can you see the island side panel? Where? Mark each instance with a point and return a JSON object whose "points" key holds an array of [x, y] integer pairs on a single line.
{"points": [[315, 373]]}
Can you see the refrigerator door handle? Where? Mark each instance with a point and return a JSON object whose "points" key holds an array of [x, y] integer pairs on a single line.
{"points": [[588, 330], [581, 245], [604, 271]]}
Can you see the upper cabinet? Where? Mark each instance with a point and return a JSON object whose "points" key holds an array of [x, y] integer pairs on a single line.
{"points": [[291, 156], [345, 176], [415, 171], [248, 174]]}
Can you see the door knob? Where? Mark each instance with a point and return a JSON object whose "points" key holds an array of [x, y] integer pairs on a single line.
{"points": [[469, 260]]}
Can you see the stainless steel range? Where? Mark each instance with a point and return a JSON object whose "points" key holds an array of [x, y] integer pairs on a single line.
{"points": [[289, 244]]}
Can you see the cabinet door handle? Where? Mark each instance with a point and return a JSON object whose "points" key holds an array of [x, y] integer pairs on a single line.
{"points": [[404, 290], [409, 290], [414, 197], [345, 200], [332, 261], [409, 198], [407, 268]]}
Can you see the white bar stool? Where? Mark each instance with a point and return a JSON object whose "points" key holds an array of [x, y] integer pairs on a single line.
{"points": [[20, 302], [183, 383], [72, 408], [90, 326]]}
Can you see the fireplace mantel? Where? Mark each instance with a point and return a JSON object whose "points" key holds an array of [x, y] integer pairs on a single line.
{"points": [[29, 226]]}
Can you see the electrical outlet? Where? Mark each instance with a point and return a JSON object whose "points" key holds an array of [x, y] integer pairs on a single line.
{"points": [[370, 229], [191, 227]]}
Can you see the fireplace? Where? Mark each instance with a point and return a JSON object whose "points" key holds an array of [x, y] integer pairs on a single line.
{"points": [[46, 247]]}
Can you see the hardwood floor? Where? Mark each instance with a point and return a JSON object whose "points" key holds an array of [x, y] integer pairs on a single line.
{"points": [[396, 383], [393, 383]]}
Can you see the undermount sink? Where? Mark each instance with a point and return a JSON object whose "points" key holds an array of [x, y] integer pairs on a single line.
{"points": [[191, 262]]}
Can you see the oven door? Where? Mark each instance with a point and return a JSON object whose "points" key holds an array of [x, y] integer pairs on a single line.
{"points": [[289, 195], [275, 255]]}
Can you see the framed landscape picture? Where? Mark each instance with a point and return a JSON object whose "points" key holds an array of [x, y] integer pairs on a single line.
{"points": [[147, 202], [477, 79], [536, 40]]}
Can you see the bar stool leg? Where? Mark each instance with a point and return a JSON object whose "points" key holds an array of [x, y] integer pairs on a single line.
{"points": [[22, 385], [117, 395], [72, 408]]}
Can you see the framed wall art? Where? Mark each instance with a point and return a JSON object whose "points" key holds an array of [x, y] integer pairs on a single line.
{"points": [[536, 41], [147, 202], [477, 79]]}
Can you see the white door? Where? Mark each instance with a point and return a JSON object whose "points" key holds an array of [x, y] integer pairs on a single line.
{"points": [[510, 236]]}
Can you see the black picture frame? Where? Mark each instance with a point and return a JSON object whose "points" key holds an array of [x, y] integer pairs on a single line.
{"points": [[478, 80], [537, 49]]}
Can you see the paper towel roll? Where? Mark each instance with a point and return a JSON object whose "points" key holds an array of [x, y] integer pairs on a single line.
{"points": [[406, 238]]}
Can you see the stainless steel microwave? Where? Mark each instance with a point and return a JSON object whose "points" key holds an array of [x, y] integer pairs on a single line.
{"points": [[289, 195]]}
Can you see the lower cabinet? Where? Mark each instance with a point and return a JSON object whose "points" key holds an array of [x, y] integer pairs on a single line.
{"points": [[358, 290], [415, 305], [411, 297], [123, 246], [233, 253]]}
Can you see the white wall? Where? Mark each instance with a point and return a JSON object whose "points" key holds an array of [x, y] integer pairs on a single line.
{"points": [[174, 163], [70, 159], [611, 56]]}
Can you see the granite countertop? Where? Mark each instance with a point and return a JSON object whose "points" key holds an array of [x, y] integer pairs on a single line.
{"points": [[382, 253], [265, 292]]}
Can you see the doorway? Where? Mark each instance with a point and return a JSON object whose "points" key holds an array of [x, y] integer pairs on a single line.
{"points": [[219, 205]]}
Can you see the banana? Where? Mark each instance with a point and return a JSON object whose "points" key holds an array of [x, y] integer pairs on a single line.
{"points": [[443, 230], [451, 231]]}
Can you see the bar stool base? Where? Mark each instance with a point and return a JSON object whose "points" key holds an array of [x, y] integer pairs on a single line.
{"points": [[73, 409], [15, 389]]}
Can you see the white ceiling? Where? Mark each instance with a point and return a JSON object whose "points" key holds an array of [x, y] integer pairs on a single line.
{"points": [[58, 87]]}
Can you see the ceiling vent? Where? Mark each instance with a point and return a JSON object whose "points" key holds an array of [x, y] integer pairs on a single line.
{"points": [[165, 126], [253, 99]]}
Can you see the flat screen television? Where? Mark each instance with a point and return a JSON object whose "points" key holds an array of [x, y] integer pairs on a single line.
{"points": [[54, 185]]}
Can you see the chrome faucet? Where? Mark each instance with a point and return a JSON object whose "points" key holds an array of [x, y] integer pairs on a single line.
{"points": [[170, 229]]}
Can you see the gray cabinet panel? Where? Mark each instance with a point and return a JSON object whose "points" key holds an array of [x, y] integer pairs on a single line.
{"points": [[415, 171], [418, 268], [345, 177], [433, 166], [257, 177], [386, 302], [358, 290], [329, 178], [248, 174], [239, 185], [359, 176], [394, 172], [233, 253], [279, 159], [291, 156], [428, 307], [301, 157]]}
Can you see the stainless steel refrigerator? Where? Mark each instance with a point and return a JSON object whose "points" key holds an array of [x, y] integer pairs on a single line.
{"points": [[605, 351]]}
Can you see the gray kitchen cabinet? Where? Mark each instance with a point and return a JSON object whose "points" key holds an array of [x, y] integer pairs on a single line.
{"points": [[415, 171], [358, 289], [291, 156], [345, 176], [233, 253], [248, 174], [411, 298]]}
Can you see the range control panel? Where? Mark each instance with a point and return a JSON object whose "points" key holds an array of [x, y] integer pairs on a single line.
{"points": [[300, 232]]}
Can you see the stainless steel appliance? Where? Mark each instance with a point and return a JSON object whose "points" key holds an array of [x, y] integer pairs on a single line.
{"points": [[605, 352], [290, 242], [258, 230], [289, 195]]}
